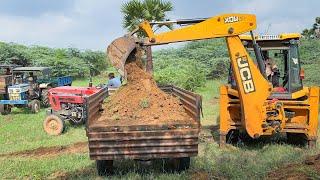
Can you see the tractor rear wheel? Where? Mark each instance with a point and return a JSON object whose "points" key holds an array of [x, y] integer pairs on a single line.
{"points": [[45, 97], [35, 106], [104, 167], [5, 109], [53, 125]]}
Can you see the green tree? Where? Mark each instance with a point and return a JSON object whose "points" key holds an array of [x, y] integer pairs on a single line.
{"points": [[70, 61], [137, 11], [314, 31]]}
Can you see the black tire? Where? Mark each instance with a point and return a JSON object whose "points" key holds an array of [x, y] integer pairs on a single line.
{"points": [[104, 167], [180, 164], [297, 139], [233, 137], [77, 123], [5, 109], [45, 98], [53, 125], [184, 164], [34, 106]]}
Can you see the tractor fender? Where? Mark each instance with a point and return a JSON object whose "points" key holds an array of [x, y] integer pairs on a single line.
{"points": [[44, 85]]}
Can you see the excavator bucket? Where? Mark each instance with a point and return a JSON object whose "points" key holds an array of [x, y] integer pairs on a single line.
{"points": [[118, 52]]}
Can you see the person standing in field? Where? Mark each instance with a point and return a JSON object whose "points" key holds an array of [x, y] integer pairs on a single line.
{"points": [[114, 82]]}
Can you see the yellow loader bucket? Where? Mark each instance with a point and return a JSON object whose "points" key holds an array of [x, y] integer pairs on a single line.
{"points": [[118, 52]]}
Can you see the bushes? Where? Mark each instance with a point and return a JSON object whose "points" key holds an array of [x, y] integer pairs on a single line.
{"points": [[310, 60], [180, 72], [190, 65]]}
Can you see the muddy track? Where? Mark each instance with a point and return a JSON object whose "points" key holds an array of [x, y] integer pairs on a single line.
{"points": [[41, 152], [308, 169]]}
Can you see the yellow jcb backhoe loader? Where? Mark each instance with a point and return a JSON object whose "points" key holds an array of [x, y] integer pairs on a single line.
{"points": [[252, 105], [296, 106]]}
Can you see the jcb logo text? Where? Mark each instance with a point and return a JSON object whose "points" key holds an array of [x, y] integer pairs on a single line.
{"points": [[245, 74], [231, 19]]}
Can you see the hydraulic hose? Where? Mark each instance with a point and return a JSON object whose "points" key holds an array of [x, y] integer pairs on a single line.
{"points": [[257, 52]]}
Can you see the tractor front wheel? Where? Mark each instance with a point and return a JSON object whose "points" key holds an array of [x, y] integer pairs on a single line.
{"points": [[5, 109], [35, 106], [53, 125]]}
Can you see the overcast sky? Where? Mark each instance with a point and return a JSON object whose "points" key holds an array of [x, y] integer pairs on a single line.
{"points": [[92, 24]]}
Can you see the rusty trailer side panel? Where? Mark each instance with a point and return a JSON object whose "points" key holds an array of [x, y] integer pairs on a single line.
{"points": [[93, 104], [143, 144], [146, 142]]}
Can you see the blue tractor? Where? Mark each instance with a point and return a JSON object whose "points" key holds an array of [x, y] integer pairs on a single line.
{"points": [[28, 87]]}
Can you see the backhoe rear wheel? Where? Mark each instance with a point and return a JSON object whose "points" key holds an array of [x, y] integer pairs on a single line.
{"points": [[297, 139], [104, 167], [5, 109], [53, 125]]}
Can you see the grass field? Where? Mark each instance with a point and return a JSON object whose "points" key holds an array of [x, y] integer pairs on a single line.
{"points": [[22, 131]]}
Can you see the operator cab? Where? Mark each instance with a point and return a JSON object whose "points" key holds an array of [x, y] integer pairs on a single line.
{"points": [[283, 50]]}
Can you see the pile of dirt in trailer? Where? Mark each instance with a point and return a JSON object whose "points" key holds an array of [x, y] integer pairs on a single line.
{"points": [[141, 102], [308, 169]]}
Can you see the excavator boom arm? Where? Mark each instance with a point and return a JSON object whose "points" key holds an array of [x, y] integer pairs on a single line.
{"points": [[214, 27]]}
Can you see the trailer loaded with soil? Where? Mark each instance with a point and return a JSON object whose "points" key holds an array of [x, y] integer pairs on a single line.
{"points": [[143, 122]]}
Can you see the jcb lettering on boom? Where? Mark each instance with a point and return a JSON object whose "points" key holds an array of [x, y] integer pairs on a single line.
{"points": [[245, 74], [231, 19]]}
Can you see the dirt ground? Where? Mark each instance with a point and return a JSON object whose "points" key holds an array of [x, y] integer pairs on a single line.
{"points": [[308, 169], [141, 102], [79, 147]]}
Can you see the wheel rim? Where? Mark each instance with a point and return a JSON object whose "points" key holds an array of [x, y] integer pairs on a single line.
{"points": [[53, 127], [36, 107]]}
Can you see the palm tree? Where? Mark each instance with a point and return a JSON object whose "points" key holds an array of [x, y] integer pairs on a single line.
{"points": [[137, 11]]}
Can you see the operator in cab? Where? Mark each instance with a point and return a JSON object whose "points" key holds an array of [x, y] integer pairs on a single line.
{"points": [[8, 71], [114, 82], [272, 70]]}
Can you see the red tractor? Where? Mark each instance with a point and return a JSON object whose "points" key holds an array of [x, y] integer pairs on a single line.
{"points": [[68, 104]]}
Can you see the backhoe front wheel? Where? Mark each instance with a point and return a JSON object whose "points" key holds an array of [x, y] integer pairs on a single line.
{"points": [[5, 109], [232, 137], [53, 125], [104, 167]]}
